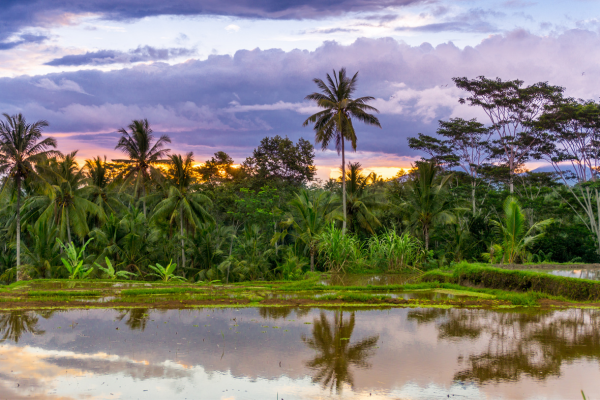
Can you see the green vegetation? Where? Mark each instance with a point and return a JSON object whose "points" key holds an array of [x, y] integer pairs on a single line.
{"points": [[267, 219], [519, 281]]}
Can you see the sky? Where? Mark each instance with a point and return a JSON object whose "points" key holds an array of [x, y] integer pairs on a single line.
{"points": [[221, 75]]}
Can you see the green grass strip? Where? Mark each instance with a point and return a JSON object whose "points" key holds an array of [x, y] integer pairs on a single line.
{"points": [[520, 281]]}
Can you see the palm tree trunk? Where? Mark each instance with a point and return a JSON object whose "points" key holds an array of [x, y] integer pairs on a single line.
{"points": [[426, 234], [68, 226], [343, 186], [312, 260], [181, 232], [18, 228]]}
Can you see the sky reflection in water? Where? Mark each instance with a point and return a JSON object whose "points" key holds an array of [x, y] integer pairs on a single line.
{"points": [[299, 354]]}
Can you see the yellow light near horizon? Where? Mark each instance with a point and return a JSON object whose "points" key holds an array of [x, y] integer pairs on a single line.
{"points": [[383, 172]]}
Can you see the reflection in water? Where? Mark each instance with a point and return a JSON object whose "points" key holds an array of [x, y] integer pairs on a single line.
{"points": [[335, 352], [297, 354], [520, 344], [14, 324], [137, 318], [365, 280], [282, 312]]}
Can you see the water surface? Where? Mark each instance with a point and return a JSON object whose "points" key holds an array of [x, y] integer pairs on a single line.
{"points": [[299, 353]]}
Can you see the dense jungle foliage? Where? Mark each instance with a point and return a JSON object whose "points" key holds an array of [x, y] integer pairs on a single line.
{"points": [[157, 215]]}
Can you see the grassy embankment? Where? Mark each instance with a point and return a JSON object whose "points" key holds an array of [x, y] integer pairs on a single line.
{"points": [[537, 284], [467, 285]]}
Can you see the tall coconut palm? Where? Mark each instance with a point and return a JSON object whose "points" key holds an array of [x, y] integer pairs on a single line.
{"points": [[513, 230], [312, 212], [184, 201], [64, 198], [21, 147], [143, 153], [334, 123], [427, 201]]}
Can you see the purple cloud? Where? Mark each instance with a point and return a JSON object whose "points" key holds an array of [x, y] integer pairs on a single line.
{"points": [[231, 102], [20, 14], [105, 57]]}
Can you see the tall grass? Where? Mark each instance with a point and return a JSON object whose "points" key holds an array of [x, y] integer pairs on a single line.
{"points": [[340, 252], [391, 252]]}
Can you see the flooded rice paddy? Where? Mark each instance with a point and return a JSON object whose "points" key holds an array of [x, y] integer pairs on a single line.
{"points": [[299, 353]]}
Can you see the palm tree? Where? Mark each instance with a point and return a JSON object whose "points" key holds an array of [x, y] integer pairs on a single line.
{"points": [[312, 212], [426, 201], [335, 352], [362, 199], [512, 230], [142, 153], [20, 149], [334, 123], [64, 198], [184, 201], [43, 254], [208, 249], [102, 188]]}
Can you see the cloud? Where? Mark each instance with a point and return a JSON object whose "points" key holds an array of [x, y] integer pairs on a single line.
{"points": [[480, 27], [474, 20], [18, 15], [232, 28], [332, 30], [104, 57], [233, 101], [23, 39], [65, 84]]}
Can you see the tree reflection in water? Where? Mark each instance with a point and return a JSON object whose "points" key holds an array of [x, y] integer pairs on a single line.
{"points": [[282, 312], [14, 324], [335, 351], [531, 344], [137, 318]]}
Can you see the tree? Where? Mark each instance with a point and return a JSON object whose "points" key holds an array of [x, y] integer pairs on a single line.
{"points": [[334, 123], [64, 197], [512, 230], [20, 149], [427, 201], [362, 199], [42, 256], [279, 159], [103, 192], [184, 202], [466, 146], [571, 132], [143, 154], [311, 212], [512, 109], [218, 169]]}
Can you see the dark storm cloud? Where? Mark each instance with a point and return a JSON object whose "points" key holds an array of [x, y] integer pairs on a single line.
{"points": [[104, 57], [234, 101], [19, 14]]}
